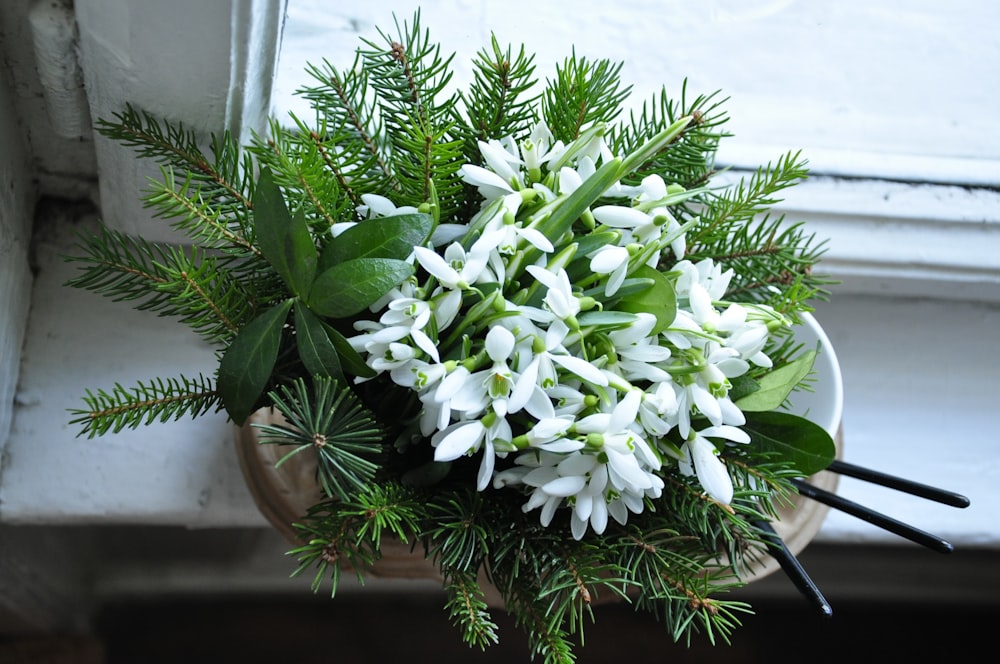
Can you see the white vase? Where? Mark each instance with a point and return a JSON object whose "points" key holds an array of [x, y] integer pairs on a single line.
{"points": [[800, 521]]}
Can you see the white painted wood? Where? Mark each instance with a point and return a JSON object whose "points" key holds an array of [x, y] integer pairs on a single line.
{"points": [[177, 473], [904, 104], [860, 87], [208, 65], [17, 196], [908, 411]]}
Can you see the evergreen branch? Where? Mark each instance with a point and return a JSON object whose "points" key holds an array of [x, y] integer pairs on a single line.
{"points": [[175, 145], [468, 610], [329, 545], [332, 421], [159, 400], [385, 508], [166, 280], [349, 125], [583, 93], [201, 220], [121, 267], [408, 74], [458, 541], [299, 164], [690, 158], [745, 200], [428, 166], [495, 104], [206, 296]]}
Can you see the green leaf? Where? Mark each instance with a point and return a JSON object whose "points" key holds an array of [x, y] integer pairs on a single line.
{"points": [[774, 387], [660, 300], [350, 287], [246, 366], [317, 352], [570, 209], [605, 319], [808, 447], [350, 359], [285, 241], [382, 237]]}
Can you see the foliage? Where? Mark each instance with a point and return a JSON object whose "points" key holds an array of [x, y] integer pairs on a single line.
{"points": [[331, 261]]}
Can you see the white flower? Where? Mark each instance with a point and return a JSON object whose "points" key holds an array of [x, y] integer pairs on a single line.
{"points": [[380, 206], [456, 269], [541, 371], [613, 260], [466, 438], [489, 387], [700, 457], [560, 299], [489, 184]]}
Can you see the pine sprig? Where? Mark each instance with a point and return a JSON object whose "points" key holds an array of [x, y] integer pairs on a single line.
{"points": [[690, 159], [330, 420], [304, 173], [171, 281], [583, 92], [339, 536], [350, 137], [226, 228], [158, 400], [206, 296], [772, 259], [121, 267], [496, 103], [409, 75], [467, 609], [174, 145]]}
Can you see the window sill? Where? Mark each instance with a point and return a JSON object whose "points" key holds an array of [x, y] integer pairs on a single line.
{"points": [[899, 403]]}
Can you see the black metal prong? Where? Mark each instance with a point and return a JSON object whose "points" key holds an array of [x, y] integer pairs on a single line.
{"points": [[793, 569], [871, 516], [898, 483]]}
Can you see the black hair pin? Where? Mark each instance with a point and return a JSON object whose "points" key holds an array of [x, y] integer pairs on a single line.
{"points": [[793, 568]]}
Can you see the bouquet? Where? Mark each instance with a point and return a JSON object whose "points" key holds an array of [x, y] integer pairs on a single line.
{"points": [[533, 334]]}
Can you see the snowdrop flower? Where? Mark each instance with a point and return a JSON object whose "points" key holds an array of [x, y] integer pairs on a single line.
{"points": [[562, 303], [543, 359], [456, 269], [700, 458], [374, 205], [638, 352], [612, 260], [467, 437], [706, 273], [489, 184], [540, 148], [489, 387], [502, 157], [503, 232]]}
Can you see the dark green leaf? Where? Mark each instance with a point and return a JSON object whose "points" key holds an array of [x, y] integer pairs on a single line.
{"points": [[660, 300], [285, 241], [246, 366], [350, 287], [742, 386], [350, 359], [382, 237], [792, 439], [315, 348], [775, 387]]}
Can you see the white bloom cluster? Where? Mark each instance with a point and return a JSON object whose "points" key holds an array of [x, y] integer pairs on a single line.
{"points": [[515, 348]]}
